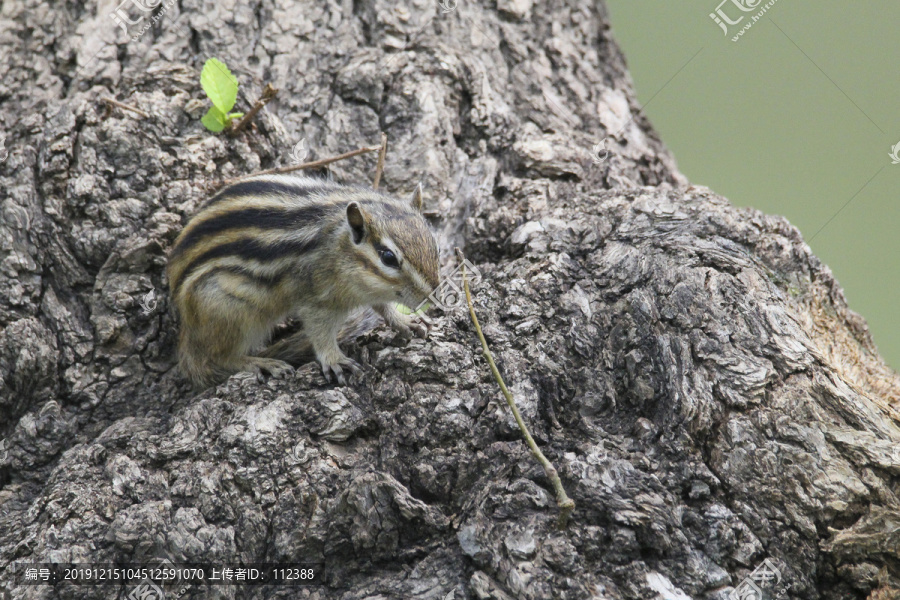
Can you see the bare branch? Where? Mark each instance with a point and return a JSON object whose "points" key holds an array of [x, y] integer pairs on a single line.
{"points": [[268, 93], [566, 504], [380, 168]]}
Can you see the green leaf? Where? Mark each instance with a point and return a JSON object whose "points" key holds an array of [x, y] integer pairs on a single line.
{"points": [[403, 309], [231, 116], [219, 84], [214, 120]]}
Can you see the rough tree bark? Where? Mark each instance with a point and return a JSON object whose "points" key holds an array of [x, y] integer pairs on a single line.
{"points": [[691, 368]]}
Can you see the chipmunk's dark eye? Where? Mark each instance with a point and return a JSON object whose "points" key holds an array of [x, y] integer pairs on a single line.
{"points": [[389, 259]]}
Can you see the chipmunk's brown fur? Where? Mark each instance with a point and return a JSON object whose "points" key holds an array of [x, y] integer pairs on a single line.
{"points": [[271, 247]]}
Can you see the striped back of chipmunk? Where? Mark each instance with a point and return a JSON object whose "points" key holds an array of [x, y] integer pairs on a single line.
{"points": [[264, 229], [257, 228]]}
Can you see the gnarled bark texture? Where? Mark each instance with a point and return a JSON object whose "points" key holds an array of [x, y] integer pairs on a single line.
{"points": [[691, 368]]}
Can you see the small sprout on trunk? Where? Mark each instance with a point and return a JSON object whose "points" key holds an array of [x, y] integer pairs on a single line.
{"points": [[221, 87]]}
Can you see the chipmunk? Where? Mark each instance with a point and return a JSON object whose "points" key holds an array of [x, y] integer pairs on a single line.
{"points": [[274, 246]]}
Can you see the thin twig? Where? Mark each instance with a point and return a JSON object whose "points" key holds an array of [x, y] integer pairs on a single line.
{"points": [[268, 93], [124, 106], [310, 165], [566, 504], [380, 168]]}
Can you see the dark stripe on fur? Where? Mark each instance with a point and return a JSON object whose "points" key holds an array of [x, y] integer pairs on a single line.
{"points": [[268, 281], [247, 249], [364, 262], [262, 218], [260, 188]]}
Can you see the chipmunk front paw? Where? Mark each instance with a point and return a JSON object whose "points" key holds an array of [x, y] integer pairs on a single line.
{"points": [[406, 324], [420, 328], [410, 325]]}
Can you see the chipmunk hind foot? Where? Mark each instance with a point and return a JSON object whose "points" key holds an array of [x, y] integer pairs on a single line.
{"points": [[261, 365]]}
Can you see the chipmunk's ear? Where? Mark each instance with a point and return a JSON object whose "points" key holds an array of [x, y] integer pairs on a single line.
{"points": [[415, 199], [357, 221]]}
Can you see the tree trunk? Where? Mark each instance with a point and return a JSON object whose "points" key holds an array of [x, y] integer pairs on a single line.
{"points": [[713, 407]]}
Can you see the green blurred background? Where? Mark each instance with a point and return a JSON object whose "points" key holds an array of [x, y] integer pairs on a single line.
{"points": [[793, 119]]}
